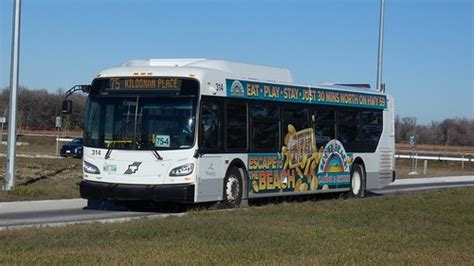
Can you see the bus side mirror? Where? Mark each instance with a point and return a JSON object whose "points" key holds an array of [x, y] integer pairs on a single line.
{"points": [[67, 107]]}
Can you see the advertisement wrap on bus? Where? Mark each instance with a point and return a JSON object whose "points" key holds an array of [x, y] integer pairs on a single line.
{"points": [[291, 171], [301, 166], [298, 94]]}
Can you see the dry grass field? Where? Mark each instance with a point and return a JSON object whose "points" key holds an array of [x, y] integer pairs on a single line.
{"points": [[39, 179], [429, 228], [435, 168], [34, 145]]}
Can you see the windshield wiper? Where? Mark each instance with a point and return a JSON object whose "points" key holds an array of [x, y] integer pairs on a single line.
{"points": [[157, 155], [107, 154], [154, 151]]}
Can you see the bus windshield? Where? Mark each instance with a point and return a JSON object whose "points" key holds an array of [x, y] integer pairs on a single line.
{"points": [[140, 123]]}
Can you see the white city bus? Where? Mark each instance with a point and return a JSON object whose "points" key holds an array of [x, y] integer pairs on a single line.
{"points": [[199, 130]]}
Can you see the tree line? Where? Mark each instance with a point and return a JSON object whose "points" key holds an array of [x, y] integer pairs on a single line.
{"points": [[37, 109], [451, 131]]}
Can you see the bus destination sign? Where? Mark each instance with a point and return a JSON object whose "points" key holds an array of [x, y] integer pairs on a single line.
{"points": [[147, 83], [299, 94]]}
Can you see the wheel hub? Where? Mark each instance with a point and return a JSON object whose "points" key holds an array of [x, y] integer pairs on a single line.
{"points": [[356, 183], [232, 188]]}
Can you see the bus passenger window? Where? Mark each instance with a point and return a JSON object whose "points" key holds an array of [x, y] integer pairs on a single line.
{"points": [[296, 116], [324, 126], [211, 126], [236, 128], [348, 128], [371, 127], [265, 128]]}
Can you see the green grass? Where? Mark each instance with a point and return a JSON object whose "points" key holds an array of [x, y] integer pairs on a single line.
{"points": [[413, 228]]}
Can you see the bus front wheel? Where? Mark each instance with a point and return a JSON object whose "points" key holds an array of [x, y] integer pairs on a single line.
{"points": [[233, 188], [357, 181]]}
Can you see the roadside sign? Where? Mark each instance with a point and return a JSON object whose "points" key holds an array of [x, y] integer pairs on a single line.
{"points": [[3, 119], [59, 121], [414, 161], [412, 141]]}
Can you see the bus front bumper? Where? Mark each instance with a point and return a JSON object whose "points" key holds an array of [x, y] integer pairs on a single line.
{"points": [[110, 191]]}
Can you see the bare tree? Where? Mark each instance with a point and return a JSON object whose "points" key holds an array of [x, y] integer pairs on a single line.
{"points": [[37, 109], [452, 131]]}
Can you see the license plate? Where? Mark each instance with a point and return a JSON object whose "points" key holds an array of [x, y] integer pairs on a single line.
{"points": [[68, 151]]}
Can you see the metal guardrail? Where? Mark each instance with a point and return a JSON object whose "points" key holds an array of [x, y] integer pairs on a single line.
{"points": [[435, 158], [64, 139]]}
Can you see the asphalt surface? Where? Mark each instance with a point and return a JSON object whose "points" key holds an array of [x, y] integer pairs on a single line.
{"points": [[50, 213], [53, 213], [424, 184]]}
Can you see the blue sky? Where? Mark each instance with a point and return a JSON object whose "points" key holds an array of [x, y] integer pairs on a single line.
{"points": [[428, 56]]}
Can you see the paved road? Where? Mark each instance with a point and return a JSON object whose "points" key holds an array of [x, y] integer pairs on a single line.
{"points": [[424, 184], [62, 212], [50, 213]]}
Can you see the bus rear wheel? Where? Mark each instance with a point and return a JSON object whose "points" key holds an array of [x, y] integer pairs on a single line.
{"points": [[233, 189], [357, 181]]}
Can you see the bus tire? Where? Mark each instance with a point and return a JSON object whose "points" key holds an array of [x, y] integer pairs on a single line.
{"points": [[233, 189], [357, 186]]}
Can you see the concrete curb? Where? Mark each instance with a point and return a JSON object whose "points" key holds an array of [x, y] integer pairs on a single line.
{"points": [[418, 189], [41, 205], [92, 221], [429, 180]]}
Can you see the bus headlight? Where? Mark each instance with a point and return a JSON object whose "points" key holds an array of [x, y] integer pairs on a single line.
{"points": [[185, 169], [91, 169]]}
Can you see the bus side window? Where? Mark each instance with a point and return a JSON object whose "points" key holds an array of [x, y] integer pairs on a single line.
{"points": [[210, 132], [348, 124], [265, 128], [324, 125], [236, 126], [371, 128], [296, 116]]}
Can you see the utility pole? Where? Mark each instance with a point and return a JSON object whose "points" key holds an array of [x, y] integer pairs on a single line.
{"points": [[380, 86], [11, 145]]}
